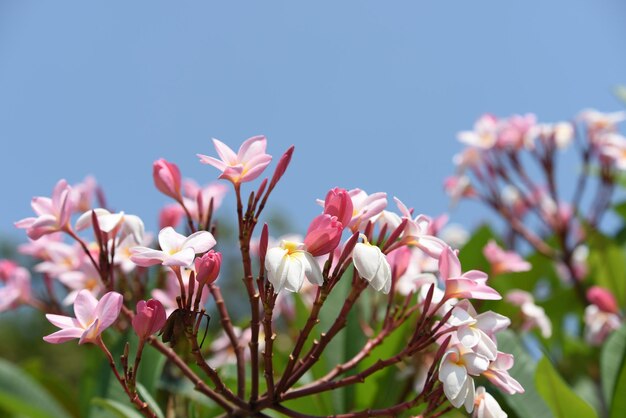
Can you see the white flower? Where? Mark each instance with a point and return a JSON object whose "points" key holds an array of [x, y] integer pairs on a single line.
{"points": [[486, 406], [288, 264], [372, 265], [457, 366]]}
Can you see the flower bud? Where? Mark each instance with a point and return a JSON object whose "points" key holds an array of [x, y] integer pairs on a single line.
{"points": [[149, 319], [208, 267], [339, 203], [603, 299], [323, 236], [166, 177]]}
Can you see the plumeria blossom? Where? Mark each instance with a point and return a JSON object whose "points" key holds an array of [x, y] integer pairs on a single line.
{"points": [[123, 251], [457, 367], [372, 265], [598, 121], [532, 314], [53, 214], [176, 249], [485, 406], [560, 134], [471, 284], [39, 248], [365, 207], [477, 332], [82, 194], [84, 277], [16, 289], [288, 264], [419, 232], [113, 224], [599, 324], [504, 261], [498, 374], [246, 165], [603, 299], [92, 318], [484, 135], [614, 148]]}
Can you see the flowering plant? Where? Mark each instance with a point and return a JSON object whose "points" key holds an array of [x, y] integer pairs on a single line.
{"points": [[369, 314]]}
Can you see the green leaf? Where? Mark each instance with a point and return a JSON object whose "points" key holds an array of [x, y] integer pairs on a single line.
{"points": [[529, 403], [145, 395], [563, 402], [20, 394], [607, 262], [612, 360], [119, 409], [618, 406]]}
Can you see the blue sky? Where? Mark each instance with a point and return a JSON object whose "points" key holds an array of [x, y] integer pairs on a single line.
{"points": [[371, 93]]}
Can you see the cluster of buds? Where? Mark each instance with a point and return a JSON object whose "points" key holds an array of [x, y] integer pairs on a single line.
{"points": [[393, 261]]}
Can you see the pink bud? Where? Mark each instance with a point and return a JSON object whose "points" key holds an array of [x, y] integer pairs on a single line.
{"points": [[149, 319], [282, 165], [324, 235], [339, 203], [603, 299], [208, 267], [170, 215], [166, 177]]}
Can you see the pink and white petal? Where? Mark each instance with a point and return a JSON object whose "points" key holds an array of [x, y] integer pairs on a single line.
{"points": [[453, 378], [63, 335], [469, 396], [468, 337], [295, 276], [251, 147], [431, 245], [91, 334], [476, 275], [45, 221], [491, 322], [312, 270], [85, 219], [226, 154], [110, 221], [170, 240], [232, 173], [85, 308], [475, 364], [42, 205], [25, 223], [146, 257], [108, 309], [366, 260], [485, 346], [255, 168], [205, 159], [183, 258], [63, 321], [200, 242], [449, 264], [58, 192]]}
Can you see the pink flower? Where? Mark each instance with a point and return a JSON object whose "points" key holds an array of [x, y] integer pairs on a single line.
{"points": [[599, 324], [82, 194], [176, 249], [603, 299], [513, 133], [533, 315], [471, 284], [150, 318], [365, 207], [53, 214], [16, 289], [338, 203], [246, 165], [498, 374], [7, 267], [92, 317], [323, 235], [166, 177], [484, 134], [208, 267], [504, 261]]}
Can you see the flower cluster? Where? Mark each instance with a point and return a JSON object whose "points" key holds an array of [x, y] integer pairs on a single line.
{"points": [[394, 262]]}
